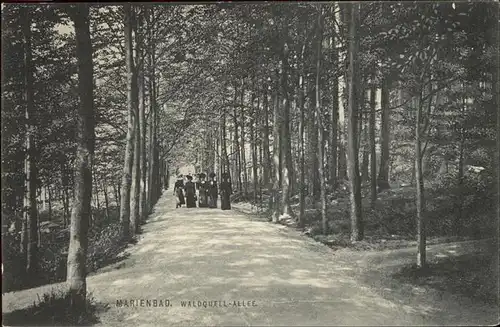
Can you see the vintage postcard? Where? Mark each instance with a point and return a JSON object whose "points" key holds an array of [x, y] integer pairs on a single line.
{"points": [[263, 163]]}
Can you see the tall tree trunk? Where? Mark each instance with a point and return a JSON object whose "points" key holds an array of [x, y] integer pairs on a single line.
{"points": [[421, 234], [163, 174], [143, 206], [383, 173], [280, 139], [96, 195], [116, 191], [39, 231], [352, 151], [342, 15], [135, 191], [30, 203], [334, 113], [320, 123], [66, 212], [93, 201], [213, 151], [43, 195], [233, 155], [150, 191], [156, 167], [159, 178], [342, 157], [275, 202], [209, 152], [49, 202], [286, 146], [373, 155], [106, 198], [205, 154], [23, 244], [167, 175], [302, 201], [265, 141], [363, 140], [218, 142], [129, 150], [225, 158], [243, 160], [21, 223], [72, 184], [460, 179], [217, 157], [312, 151], [236, 142], [260, 150], [253, 146], [158, 161], [152, 131], [293, 131], [77, 252]]}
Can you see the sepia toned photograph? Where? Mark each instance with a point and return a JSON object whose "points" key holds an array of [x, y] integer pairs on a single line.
{"points": [[267, 163]]}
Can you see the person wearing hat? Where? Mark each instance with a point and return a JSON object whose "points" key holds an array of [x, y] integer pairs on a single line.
{"points": [[178, 191], [225, 192], [190, 192], [202, 191], [212, 191]]}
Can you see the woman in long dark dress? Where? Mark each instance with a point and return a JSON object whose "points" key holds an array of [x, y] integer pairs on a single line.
{"points": [[212, 191], [190, 191], [178, 192], [225, 192], [202, 192]]}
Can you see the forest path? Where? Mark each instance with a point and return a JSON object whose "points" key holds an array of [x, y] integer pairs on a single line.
{"points": [[200, 254], [203, 254]]}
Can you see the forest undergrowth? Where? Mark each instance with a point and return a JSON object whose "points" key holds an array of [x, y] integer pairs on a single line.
{"points": [[105, 248], [390, 225]]}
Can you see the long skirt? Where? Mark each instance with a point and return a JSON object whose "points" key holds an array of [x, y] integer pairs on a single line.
{"points": [[180, 197], [212, 200], [203, 203], [190, 201], [225, 201]]}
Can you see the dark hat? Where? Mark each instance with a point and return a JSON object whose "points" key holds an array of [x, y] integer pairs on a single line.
{"points": [[212, 175], [179, 177], [189, 177], [202, 175]]}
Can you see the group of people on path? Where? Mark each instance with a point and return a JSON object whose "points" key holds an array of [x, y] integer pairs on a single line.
{"points": [[203, 191]]}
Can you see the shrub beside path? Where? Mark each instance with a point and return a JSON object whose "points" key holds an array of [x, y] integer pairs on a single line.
{"points": [[284, 278]]}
